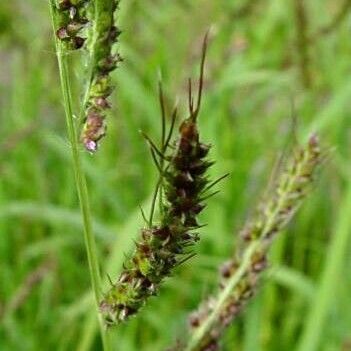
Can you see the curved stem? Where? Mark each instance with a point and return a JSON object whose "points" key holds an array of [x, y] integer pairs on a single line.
{"points": [[80, 179]]}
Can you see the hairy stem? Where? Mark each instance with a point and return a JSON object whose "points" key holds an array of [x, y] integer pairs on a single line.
{"points": [[78, 173]]}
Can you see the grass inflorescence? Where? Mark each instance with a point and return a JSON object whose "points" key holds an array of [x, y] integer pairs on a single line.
{"points": [[72, 20], [103, 36], [182, 190], [91, 24], [303, 300], [239, 276]]}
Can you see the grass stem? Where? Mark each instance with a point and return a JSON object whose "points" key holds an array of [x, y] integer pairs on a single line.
{"points": [[80, 179]]}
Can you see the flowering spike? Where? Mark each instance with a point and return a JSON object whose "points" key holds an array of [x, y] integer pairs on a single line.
{"points": [[72, 20], [167, 244], [103, 60], [240, 275], [91, 24]]}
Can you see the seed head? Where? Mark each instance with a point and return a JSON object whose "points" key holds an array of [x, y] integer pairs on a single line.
{"points": [[166, 244], [240, 276]]}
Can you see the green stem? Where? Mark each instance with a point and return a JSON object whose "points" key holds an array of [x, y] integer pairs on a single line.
{"points": [[78, 173]]}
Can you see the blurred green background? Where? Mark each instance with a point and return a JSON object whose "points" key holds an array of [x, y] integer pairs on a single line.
{"points": [[268, 61]]}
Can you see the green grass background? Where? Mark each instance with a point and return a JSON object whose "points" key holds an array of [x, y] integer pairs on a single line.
{"points": [[253, 88]]}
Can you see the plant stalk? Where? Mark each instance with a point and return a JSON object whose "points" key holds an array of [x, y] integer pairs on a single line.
{"points": [[80, 179]]}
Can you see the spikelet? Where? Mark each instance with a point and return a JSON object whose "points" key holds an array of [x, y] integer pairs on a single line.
{"points": [[239, 276], [103, 60], [91, 24], [72, 20], [164, 246]]}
